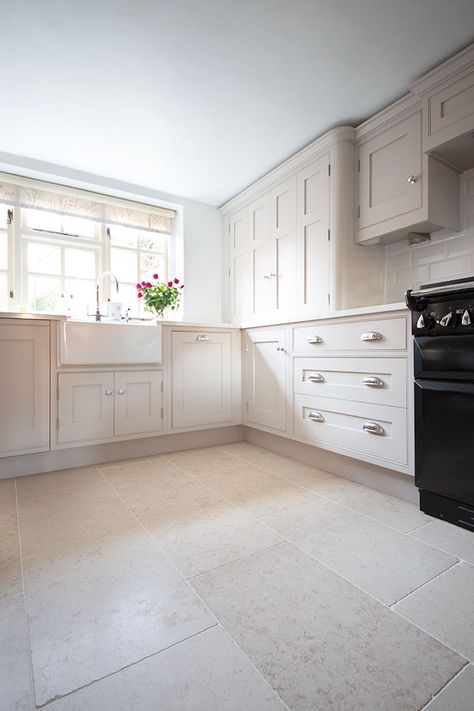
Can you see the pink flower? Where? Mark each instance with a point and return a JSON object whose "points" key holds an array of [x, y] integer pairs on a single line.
{"points": [[148, 285], [155, 276], [170, 283], [176, 281], [138, 286], [140, 295], [182, 286], [143, 283]]}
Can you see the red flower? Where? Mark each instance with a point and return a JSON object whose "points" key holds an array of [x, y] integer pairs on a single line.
{"points": [[138, 286], [170, 283], [143, 283], [148, 285], [140, 295], [176, 281], [155, 276], [182, 286]]}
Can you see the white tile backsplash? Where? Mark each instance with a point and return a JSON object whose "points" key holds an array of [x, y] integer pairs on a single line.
{"points": [[447, 255]]}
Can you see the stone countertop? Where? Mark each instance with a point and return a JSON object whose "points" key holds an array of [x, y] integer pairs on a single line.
{"points": [[105, 321]]}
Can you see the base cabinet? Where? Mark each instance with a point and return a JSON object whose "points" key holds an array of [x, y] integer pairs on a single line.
{"points": [[24, 387], [201, 379], [100, 406], [265, 378]]}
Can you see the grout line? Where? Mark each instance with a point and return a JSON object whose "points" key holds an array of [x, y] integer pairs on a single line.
{"points": [[448, 683], [127, 666], [236, 560], [417, 528], [27, 626], [420, 587], [211, 613]]}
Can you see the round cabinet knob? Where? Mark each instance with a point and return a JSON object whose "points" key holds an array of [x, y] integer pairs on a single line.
{"points": [[121, 391], [108, 391], [412, 179]]}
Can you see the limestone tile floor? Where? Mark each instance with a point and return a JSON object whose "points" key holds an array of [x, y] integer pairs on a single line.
{"points": [[228, 579]]}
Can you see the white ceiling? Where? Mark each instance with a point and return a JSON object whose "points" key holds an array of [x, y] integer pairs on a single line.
{"points": [[200, 98]]}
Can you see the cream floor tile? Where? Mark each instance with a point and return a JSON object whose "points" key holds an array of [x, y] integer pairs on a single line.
{"points": [[92, 614], [15, 678], [448, 538], [140, 483], [320, 642], [64, 481], [241, 448], [402, 515], [445, 608], [197, 528], [68, 521], [203, 459], [10, 564], [7, 496], [378, 559], [281, 466], [458, 695], [205, 673], [158, 465], [255, 490]]}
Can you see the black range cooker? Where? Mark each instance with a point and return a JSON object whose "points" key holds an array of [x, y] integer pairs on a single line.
{"points": [[443, 330]]}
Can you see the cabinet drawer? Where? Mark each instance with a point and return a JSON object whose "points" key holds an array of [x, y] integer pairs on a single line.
{"points": [[337, 424], [375, 380], [387, 334]]}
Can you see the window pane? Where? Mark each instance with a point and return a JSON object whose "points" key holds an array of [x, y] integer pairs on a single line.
{"points": [[80, 227], [153, 242], [43, 293], [123, 263], [128, 297], [83, 296], [44, 258], [3, 250], [42, 220], [3, 292], [151, 264], [80, 263], [124, 236]]}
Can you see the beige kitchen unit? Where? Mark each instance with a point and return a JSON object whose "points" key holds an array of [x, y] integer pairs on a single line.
{"points": [[289, 239], [24, 386], [400, 189], [342, 385], [447, 93]]}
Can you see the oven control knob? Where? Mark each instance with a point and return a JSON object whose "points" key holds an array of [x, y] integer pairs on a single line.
{"points": [[447, 319], [466, 318], [425, 321]]}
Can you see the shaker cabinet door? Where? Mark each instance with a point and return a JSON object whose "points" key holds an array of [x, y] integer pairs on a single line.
{"points": [[85, 407], [283, 245], [138, 402], [24, 388], [390, 181], [238, 265], [266, 378]]}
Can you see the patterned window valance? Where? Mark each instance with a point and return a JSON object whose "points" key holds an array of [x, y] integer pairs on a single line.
{"points": [[39, 195]]}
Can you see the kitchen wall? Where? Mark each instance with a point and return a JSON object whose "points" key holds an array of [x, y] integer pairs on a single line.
{"points": [[198, 230], [447, 255]]}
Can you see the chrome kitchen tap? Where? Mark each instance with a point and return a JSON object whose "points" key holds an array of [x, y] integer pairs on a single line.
{"points": [[97, 291]]}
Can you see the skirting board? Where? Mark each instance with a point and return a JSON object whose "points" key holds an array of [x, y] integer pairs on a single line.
{"points": [[54, 460], [389, 482]]}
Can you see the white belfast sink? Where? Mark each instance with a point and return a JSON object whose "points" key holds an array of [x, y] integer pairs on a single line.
{"points": [[105, 343]]}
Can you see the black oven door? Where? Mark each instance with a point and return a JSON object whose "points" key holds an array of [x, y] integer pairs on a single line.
{"points": [[444, 435]]}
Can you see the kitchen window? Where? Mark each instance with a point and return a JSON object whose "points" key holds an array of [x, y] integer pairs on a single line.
{"points": [[54, 243]]}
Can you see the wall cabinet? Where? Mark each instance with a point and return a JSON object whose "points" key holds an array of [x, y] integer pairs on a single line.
{"points": [[265, 361], [24, 387], [100, 406], [202, 379], [400, 189]]}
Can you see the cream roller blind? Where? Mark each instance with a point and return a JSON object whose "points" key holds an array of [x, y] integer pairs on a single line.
{"points": [[28, 193]]}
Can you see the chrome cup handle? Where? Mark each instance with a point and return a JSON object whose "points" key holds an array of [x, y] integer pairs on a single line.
{"points": [[373, 428]]}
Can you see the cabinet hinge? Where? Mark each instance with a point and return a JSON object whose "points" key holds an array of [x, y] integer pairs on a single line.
{"points": [[229, 272], [358, 211], [11, 294], [247, 406], [161, 412], [358, 166], [161, 386], [57, 392], [329, 235], [329, 299], [228, 228], [329, 168], [57, 423], [246, 347]]}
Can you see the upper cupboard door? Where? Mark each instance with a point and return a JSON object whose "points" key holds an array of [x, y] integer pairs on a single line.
{"points": [[262, 285], [283, 244], [390, 173], [313, 246], [238, 260]]}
